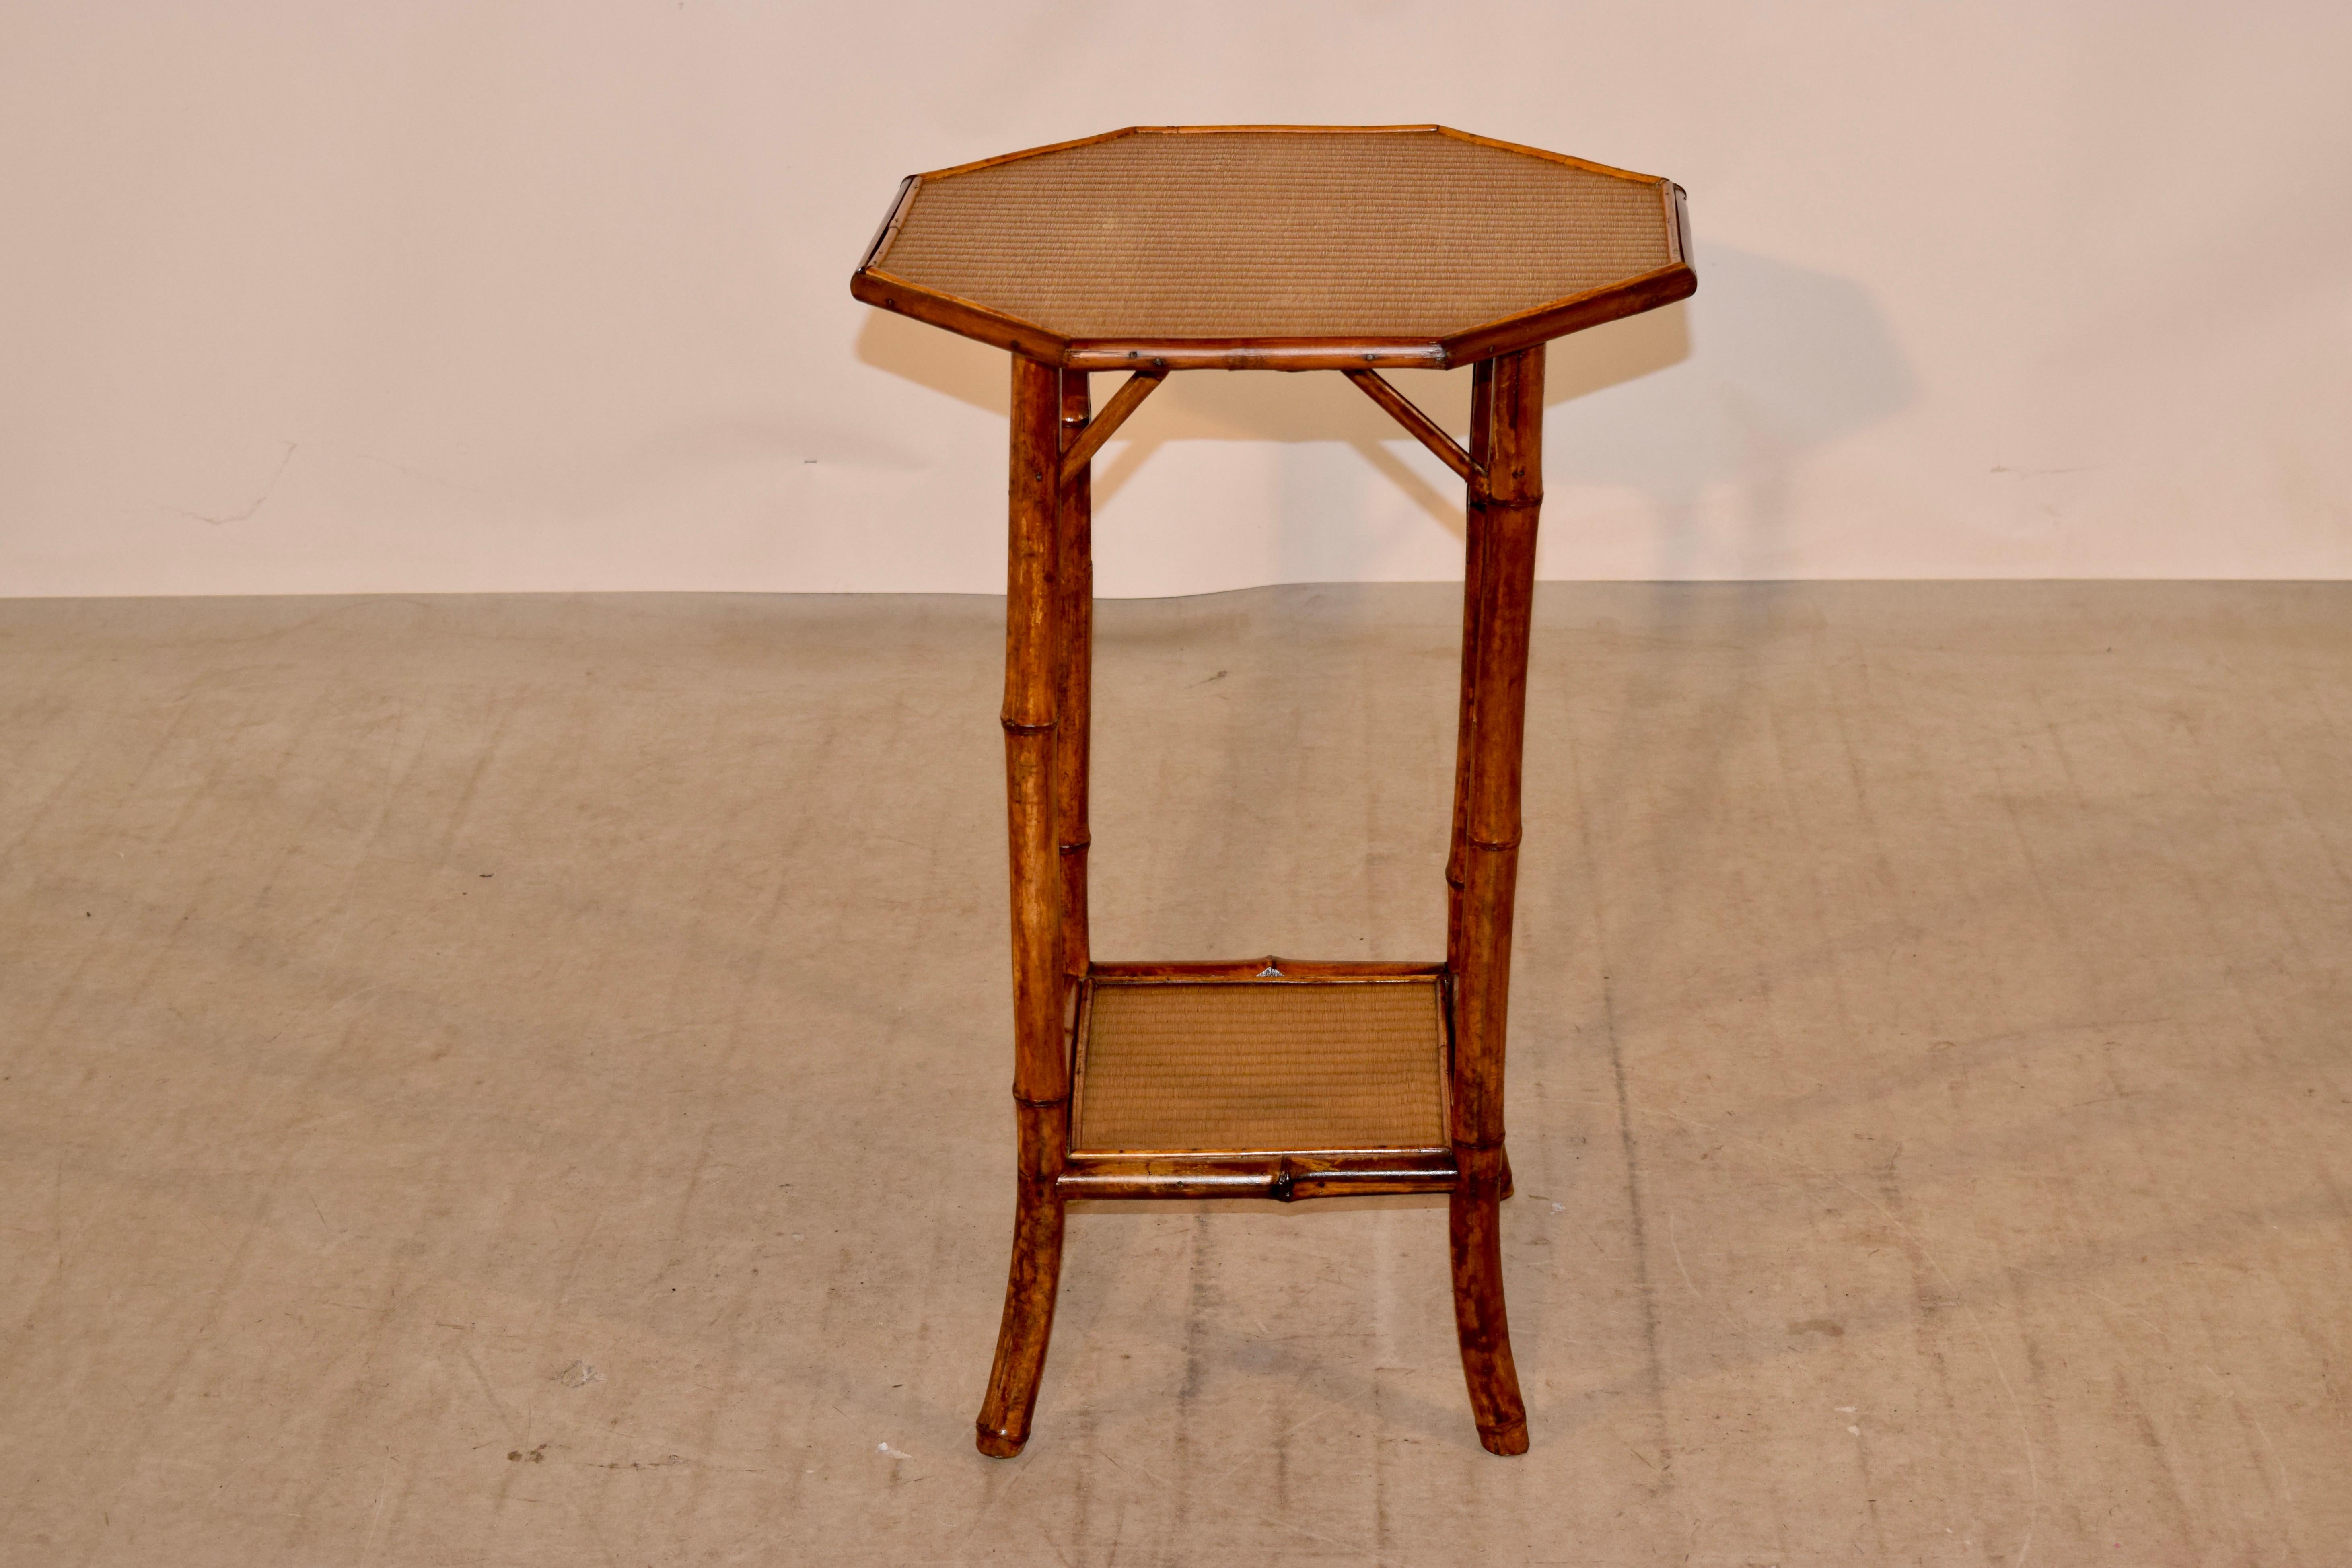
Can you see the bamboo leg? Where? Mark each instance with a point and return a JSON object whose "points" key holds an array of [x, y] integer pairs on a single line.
{"points": [[1482, 382], [1074, 622], [1029, 1288], [1474, 1231], [1041, 1080], [1494, 663]]}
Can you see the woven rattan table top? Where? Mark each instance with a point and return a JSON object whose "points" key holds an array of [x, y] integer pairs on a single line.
{"points": [[1237, 245]]}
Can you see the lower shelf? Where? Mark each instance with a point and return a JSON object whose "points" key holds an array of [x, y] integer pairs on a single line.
{"points": [[1267, 1078]]}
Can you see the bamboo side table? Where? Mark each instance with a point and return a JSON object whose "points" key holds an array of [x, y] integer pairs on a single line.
{"points": [[1354, 249]]}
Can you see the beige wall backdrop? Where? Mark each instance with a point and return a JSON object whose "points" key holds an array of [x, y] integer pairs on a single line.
{"points": [[503, 296]]}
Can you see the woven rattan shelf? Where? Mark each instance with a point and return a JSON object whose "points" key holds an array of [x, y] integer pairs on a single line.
{"points": [[1293, 1081], [1151, 250]]}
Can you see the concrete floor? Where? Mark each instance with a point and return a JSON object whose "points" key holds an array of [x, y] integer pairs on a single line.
{"points": [[523, 1081]]}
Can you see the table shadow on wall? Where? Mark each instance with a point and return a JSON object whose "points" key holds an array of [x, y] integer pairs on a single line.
{"points": [[1729, 389], [1309, 406]]}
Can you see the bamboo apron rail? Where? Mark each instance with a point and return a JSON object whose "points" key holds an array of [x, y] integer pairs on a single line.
{"points": [[1353, 248]]}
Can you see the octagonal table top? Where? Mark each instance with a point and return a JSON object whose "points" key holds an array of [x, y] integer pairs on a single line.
{"points": [[1286, 247]]}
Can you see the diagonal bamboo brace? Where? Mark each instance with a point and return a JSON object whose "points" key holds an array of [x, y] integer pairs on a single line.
{"points": [[1417, 425], [1098, 429]]}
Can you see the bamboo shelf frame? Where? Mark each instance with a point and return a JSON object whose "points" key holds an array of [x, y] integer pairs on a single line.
{"points": [[1357, 249]]}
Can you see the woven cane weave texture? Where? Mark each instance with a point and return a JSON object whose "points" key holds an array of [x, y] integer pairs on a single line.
{"points": [[1178, 1068], [1252, 234]]}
